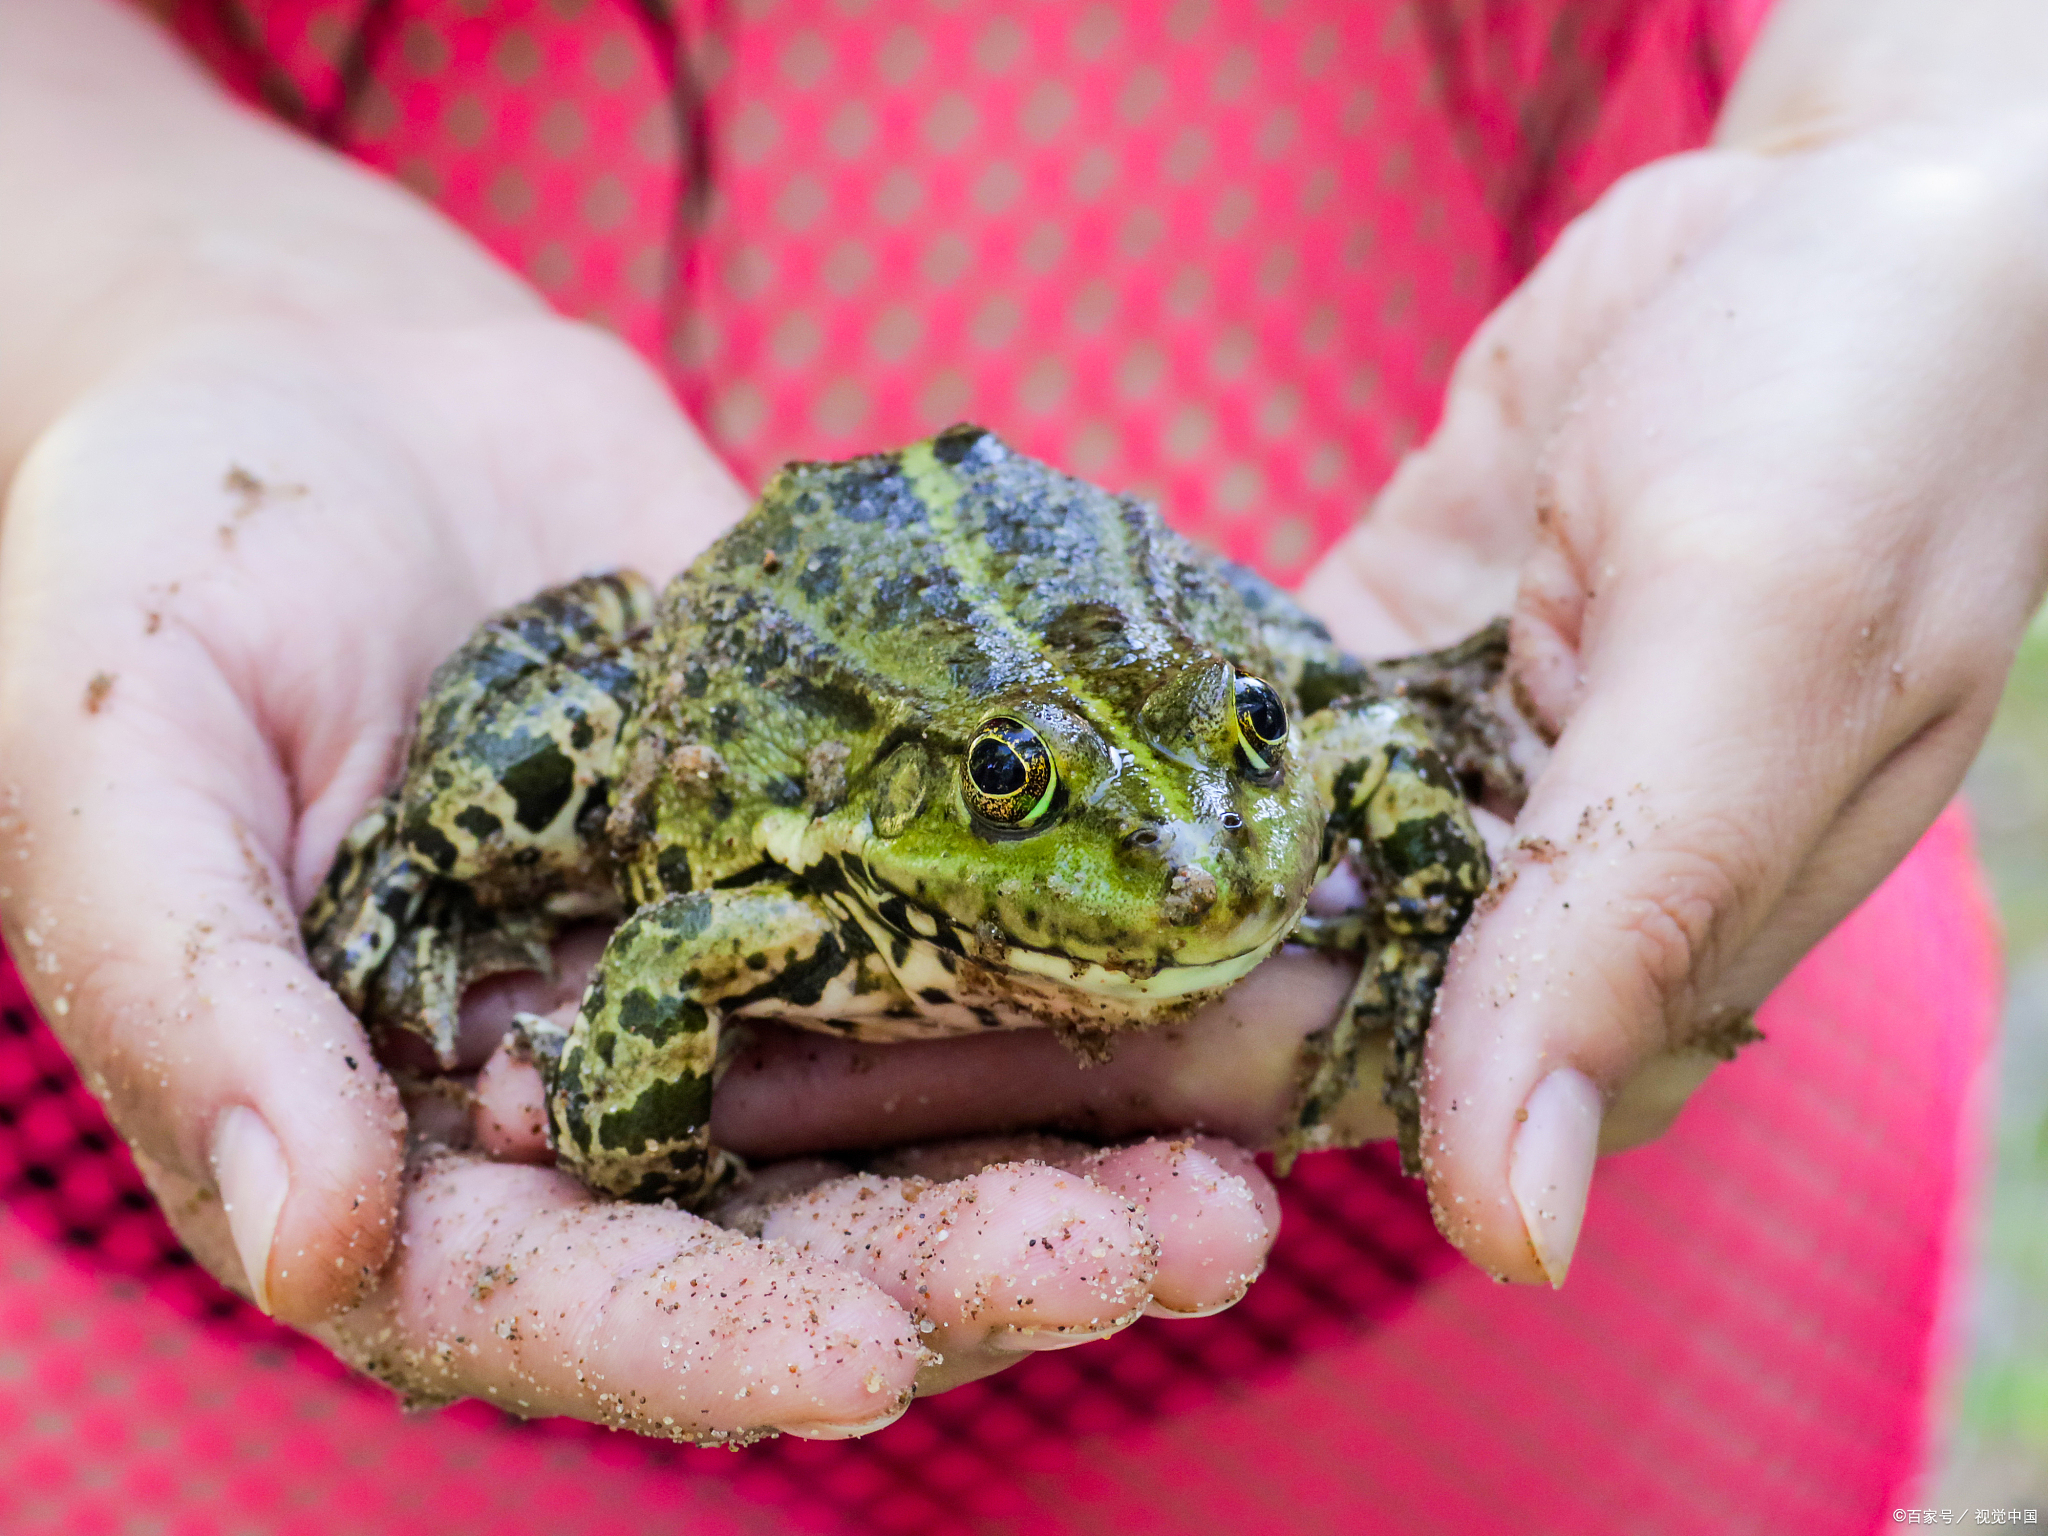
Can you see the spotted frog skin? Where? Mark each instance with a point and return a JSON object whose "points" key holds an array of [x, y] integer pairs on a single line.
{"points": [[931, 742]]}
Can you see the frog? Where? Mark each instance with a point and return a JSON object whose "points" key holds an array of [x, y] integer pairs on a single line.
{"points": [[931, 742]]}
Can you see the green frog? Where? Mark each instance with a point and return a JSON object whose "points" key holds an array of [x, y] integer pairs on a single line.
{"points": [[931, 742]]}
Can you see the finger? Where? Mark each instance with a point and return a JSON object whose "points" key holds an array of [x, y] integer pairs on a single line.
{"points": [[155, 937], [1007, 1261], [1691, 836], [1212, 1210], [515, 1285], [1207, 1201], [1002, 1246], [1866, 840], [509, 1120], [1440, 550], [1676, 814], [1229, 1070], [148, 822], [149, 909]]}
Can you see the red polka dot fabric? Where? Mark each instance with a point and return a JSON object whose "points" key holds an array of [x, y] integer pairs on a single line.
{"points": [[1220, 252], [1217, 252]]}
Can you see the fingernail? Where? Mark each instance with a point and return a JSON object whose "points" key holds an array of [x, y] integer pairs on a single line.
{"points": [[845, 1431], [1021, 1341], [1551, 1165], [1157, 1308], [248, 1168], [1160, 1309]]}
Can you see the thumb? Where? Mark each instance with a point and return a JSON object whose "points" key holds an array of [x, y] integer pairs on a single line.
{"points": [[1595, 953], [153, 929], [143, 834], [1720, 797]]}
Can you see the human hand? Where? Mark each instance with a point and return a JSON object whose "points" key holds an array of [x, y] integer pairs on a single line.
{"points": [[275, 436], [1778, 421], [1754, 460]]}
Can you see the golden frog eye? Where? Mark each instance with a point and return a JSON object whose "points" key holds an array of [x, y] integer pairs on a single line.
{"points": [[1009, 778], [1261, 725]]}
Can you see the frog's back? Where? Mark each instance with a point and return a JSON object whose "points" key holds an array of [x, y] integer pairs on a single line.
{"points": [[915, 591], [949, 572], [963, 553]]}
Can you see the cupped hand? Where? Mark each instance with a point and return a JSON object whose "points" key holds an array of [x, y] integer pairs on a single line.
{"points": [[225, 572], [1760, 448], [1755, 460]]}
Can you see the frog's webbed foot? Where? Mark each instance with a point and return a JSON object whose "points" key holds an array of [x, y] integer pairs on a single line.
{"points": [[400, 947], [451, 945], [1398, 815], [371, 892], [1464, 699], [629, 1089], [1391, 1002], [537, 1040]]}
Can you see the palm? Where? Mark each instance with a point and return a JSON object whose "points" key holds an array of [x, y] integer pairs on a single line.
{"points": [[264, 541]]}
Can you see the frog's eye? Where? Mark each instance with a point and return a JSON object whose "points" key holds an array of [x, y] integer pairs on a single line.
{"points": [[1009, 779], [1261, 725]]}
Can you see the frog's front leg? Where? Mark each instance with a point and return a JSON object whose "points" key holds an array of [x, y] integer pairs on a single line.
{"points": [[629, 1084], [1396, 810]]}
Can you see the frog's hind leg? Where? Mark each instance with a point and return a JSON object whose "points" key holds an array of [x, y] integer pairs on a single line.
{"points": [[507, 787], [400, 946], [492, 837], [629, 1086], [1397, 813]]}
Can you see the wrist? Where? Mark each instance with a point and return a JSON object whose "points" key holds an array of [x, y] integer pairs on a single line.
{"points": [[141, 202], [1822, 70]]}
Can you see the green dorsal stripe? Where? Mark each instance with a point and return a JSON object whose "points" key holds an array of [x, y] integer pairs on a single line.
{"points": [[938, 489]]}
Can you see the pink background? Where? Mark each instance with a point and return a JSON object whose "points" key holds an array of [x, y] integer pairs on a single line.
{"points": [[1222, 252]]}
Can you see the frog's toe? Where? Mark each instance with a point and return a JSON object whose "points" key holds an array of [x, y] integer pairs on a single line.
{"points": [[363, 907]]}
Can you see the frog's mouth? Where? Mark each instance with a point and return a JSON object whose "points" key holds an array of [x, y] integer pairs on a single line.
{"points": [[928, 951], [1151, 979], [1145, 978], [1011, 983]]}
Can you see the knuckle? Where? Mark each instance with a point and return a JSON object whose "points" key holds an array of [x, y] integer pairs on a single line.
{"points": [[1674, 919]]}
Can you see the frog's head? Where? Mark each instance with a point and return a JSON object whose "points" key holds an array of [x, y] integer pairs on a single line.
{"points": [[1146, 849]]}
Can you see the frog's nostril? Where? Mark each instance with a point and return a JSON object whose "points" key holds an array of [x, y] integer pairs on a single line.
{"points": [[1232, 822], [1144, 837]]}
